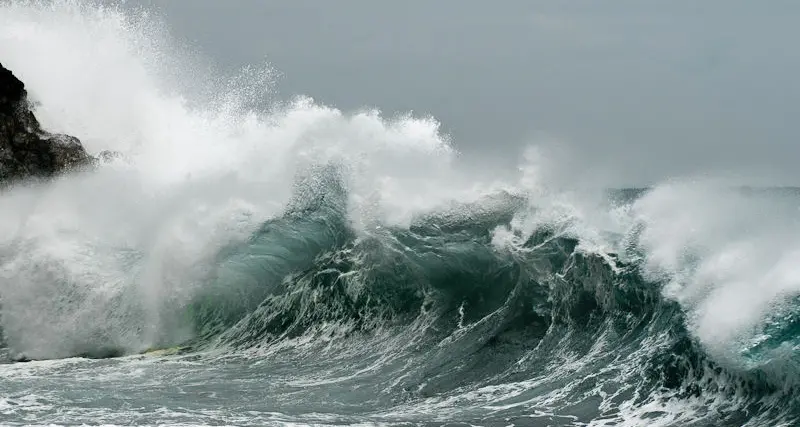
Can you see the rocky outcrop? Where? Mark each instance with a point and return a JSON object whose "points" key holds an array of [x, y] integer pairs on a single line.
{"points": [[26, 151]]}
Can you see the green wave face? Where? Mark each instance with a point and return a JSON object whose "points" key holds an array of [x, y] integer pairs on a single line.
{"points": [[442, 308], [457, 312]]}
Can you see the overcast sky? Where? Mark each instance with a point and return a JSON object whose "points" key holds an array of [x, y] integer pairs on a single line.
{"points": [[645, 89]]}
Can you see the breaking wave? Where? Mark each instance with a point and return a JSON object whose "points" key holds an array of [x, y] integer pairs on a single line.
{"points": [[300, 232]]}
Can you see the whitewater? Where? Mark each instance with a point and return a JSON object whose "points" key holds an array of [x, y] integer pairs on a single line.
{"points": [[239, 260]]}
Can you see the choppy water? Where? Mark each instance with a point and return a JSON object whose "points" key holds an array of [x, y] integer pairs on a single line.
{"points": [[301, 265]]}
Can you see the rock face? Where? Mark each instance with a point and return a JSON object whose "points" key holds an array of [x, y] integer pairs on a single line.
{"points": [[26, 150]]}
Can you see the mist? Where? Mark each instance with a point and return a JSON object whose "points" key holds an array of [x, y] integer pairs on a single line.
{"points": [[633, 92]]}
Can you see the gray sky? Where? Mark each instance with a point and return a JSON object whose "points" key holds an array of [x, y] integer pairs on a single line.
{"points": [[640, 89]]}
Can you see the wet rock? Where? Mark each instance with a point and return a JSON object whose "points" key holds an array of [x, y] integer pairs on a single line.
{"points": [[27, 151]]}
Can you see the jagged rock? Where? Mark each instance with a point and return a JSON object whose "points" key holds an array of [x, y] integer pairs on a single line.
{"points": [[26, 151]]}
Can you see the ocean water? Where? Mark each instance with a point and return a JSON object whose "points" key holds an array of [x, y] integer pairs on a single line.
{"points": [[237, 264]]}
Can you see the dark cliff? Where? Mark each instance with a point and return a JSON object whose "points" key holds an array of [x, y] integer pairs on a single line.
{"points": [[27, 151]]}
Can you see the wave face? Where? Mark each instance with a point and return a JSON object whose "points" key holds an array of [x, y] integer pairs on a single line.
{"points": [[313, 266]]}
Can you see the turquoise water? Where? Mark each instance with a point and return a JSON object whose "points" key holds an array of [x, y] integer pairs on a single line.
{"points": [[306, 322]]}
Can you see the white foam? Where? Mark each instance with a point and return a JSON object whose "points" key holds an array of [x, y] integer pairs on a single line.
{"points": [[202, 170], [728, 255]]}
